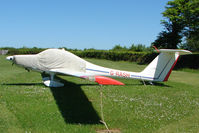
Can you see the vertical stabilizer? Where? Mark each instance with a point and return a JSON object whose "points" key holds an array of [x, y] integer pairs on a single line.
{"points": [[160, 68]]}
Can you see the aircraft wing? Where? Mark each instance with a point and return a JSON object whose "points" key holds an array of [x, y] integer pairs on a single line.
{"points": [[70, 73], [99, 79]]}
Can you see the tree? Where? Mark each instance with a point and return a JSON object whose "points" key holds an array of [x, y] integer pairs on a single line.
{"points": [[181, 21], [192, 43], [170, 37], [137, 48], [118, 47]]}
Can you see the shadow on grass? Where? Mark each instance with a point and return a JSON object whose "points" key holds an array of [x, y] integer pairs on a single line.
{"points": [[23, 84], [72, 102], [155, 84], [148, 83], [74, 105]]}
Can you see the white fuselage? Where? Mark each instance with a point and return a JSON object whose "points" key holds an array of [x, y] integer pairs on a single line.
{"points": [[103, 71]]}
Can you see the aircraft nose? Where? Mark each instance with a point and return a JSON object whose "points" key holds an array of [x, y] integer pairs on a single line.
{"points": [[10, 58]]}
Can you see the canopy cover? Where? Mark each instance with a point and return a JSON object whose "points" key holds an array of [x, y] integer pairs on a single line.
{"points": [[52, 59]]}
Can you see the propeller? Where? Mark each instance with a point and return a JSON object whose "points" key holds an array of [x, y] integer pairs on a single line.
{"points": [[11, 58]]}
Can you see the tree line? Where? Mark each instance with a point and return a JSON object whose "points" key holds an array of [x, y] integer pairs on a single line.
{"points": [[118, 47], [181, 26], [143, 55]]}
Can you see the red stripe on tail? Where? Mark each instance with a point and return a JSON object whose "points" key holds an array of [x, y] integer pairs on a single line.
{"points": [[168, 74]]}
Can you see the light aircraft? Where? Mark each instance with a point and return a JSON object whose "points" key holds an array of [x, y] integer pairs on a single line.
{"points": [[53, 62]]}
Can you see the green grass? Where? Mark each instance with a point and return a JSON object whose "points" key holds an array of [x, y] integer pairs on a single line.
{"points": [[26, 105]]}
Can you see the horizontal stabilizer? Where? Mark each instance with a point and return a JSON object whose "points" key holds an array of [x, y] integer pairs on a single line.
{"points": [[180, 51]]}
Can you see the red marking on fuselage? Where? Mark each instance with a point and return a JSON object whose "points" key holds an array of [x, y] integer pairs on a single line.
{"points": [[119, 73], [112, 73]]}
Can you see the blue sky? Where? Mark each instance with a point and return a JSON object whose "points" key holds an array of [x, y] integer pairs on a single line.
{"points": [[80, 24]]}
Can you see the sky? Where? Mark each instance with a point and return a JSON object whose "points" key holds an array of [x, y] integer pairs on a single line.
{"points": [[99, 24]]}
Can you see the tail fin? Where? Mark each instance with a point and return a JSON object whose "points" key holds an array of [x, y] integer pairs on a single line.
{"points": [[160, 68]]}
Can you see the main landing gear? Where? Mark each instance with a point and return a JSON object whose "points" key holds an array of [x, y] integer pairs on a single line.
{"points": [[50, 81]]}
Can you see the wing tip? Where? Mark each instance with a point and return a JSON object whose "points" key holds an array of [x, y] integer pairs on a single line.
{"points": [[107, 81]]}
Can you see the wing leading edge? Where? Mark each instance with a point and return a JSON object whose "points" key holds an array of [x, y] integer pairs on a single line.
{"points": [[102, 80]]}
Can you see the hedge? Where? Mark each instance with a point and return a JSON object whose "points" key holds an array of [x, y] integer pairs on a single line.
{"points": [[188, 61], [185, 61], [141, 57]]}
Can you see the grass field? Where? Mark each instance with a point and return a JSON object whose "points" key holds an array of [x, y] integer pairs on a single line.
{"points": [[26, 105]]}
